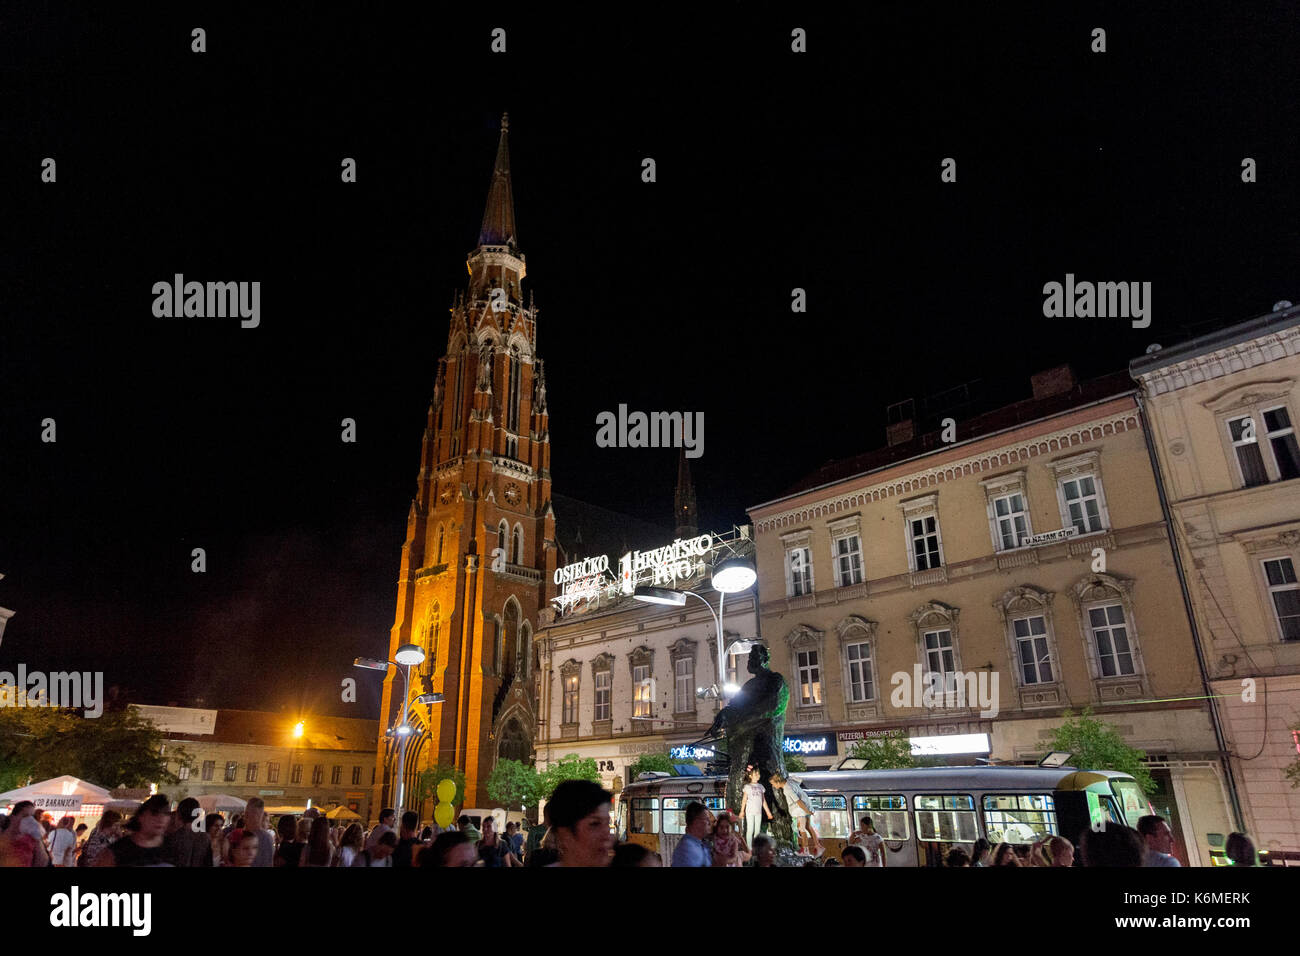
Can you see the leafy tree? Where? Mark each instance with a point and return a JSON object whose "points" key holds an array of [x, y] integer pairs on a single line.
{"points": [[1097, 745], [117, 749], [657, 763], [514, 784], [426, 784], [891, 752], [1293, 768], [568, 767]]}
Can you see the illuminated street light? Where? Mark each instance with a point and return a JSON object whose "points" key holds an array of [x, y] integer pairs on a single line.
{"points": [[734, 575], [298, 729], [653, 595], [409, 655], [405, 657]]}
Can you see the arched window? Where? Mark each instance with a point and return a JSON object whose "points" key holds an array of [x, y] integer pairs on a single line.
{"points": [[515, 743], [503, 532], [512, 401], [442, 534], [496, 647], [511, 638], [526, 642], [429, 638], [518, 553]]}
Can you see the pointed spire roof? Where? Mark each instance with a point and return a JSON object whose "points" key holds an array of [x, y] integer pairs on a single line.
{"points": [[684, 508], [499, 216]]}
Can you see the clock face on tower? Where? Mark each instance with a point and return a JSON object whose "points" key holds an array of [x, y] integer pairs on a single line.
{"points": [[512, 493]]}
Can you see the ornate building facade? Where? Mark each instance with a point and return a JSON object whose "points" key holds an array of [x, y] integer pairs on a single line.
{"points": [[480, 547]]}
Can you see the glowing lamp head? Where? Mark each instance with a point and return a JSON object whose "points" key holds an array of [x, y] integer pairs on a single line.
{"points": [[409, 654], [734, 575], [298, 729], [653, 595]]}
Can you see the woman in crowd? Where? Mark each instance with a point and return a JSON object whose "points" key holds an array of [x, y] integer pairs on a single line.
{"points": [[142, 844], [214, 823], [351, 843], [243, 847], [493, 850], [108, 829], [980, 852], [1005, 855], [289, 852], [728, 848], [318, 851], [63, 842]]}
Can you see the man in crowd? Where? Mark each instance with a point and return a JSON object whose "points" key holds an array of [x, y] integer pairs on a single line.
{"points": [[387, 817], [1158, 841], [255, 821], [580, 823], [692, 851], [407, 840], [466, 825], [184, 845]]}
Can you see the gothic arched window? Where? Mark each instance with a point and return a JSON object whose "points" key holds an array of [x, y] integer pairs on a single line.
{"points": [[442, 534], [511, 626], [518, 551], [503, 532]]}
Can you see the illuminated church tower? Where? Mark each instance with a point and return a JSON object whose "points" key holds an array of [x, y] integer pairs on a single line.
{"points": [[480, 549]]}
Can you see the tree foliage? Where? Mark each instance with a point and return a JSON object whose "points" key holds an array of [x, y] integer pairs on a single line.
{"points": [[1097, 745], [794, 763], [426, 785], [117, 749], [514, 784], [568, 767], [891, 752], [652, 763]]}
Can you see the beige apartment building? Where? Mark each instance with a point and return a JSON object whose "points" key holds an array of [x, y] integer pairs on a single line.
{"points": [[1222, 411], [1026, 560]]}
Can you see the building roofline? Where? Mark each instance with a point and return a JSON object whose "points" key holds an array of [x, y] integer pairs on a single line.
{"points": [[1218, 339]]}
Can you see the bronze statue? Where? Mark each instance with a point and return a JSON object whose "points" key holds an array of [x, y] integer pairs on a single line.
{"points": [[753, 726]]}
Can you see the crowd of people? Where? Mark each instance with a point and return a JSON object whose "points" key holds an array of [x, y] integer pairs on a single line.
{"points": [[575, 831]]}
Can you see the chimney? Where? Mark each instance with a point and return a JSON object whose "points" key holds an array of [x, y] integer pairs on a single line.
{"points": [[1053, 381], [900, 422]]}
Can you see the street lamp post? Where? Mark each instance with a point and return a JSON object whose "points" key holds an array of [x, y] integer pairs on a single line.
{"points": [[407, 656]]}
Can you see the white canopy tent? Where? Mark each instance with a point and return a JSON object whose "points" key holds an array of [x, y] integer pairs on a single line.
{"points": [[65, 786], [222, 803]]}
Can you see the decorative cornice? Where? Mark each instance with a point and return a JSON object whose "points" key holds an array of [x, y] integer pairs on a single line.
{"points": [[1229, 360], [1053, 442]]}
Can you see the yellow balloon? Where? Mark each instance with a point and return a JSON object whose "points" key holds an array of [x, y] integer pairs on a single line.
{"points": [[442, 814], [446, 792]]}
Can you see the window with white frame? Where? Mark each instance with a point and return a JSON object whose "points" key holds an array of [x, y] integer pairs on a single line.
{"points": [[1082, 503], [939, 656], [924, 534], [1284, 593], [602, 682], [810, 678], [798, 571], [641, 690], [570, 712], [1033, 654], [848, 560], [1111, 641], [1245, 445], [1011, 517], [684, 685], [859, 661]]}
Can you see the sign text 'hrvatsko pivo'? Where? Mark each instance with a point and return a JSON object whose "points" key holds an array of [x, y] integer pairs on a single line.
{"points": [[590, 579]]}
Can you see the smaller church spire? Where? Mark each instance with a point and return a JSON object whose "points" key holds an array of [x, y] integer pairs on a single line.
{"points": [[684, 512]]}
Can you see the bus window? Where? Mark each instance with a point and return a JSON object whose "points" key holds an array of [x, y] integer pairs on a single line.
{"points": [[645, 815], [1019, 818], [946, 818], [1131, 800], [830, 815], [675, 810], [888, 814]]}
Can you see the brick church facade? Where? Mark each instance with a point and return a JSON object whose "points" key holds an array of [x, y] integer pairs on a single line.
{"points": [[480, 549]]}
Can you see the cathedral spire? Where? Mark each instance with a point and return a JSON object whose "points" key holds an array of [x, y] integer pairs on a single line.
{"points": [[499, 216], [684, 513]]}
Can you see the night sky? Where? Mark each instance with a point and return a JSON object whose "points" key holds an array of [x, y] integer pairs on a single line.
{"points": [[775, 171]]}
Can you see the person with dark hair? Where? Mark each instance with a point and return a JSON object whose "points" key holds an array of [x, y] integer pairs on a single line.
{"points": [[23, 817], [764, 851], [403, 856], [466, 825], [351, 845], [1005, 855], [1158, 841], [218, 842], [870, 841], [536, 834], [980, 853], [387, 817], [143, 843], [691, 850], [957, 857], [515, 840], [580, 823], [381, 854], [1113, 846], [492, 849], [255, 820], [853, 856], [108, 829], [831, 861], [633, 854], [289, 852], [449, 848], [186, 846], [244, 847], [1240, 849], [319, 851]]}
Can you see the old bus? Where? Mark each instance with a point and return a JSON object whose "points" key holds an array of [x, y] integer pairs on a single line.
{"points": [[921, 813]]}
